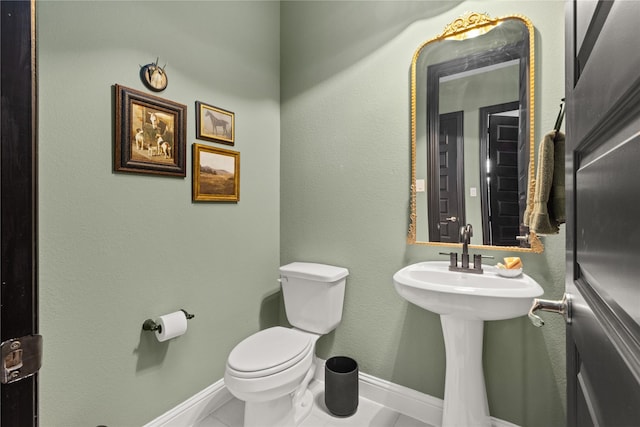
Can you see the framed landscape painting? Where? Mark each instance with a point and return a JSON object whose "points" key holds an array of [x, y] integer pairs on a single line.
{"points": [[216, 174]]}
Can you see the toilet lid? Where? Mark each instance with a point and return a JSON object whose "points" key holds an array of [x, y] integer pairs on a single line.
{"points": [[269, 351]]}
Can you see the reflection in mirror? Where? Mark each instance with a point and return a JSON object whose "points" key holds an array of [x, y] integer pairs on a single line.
{"points": [[471, 133]]}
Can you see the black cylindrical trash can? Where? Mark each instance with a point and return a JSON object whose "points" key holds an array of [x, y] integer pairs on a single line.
{"points": [[341, 386]]}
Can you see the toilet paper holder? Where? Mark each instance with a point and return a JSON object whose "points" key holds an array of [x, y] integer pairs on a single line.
{"points": [[151, 325]]}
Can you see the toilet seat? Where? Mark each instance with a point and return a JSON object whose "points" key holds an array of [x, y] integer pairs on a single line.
{"points": [[257, 356]]}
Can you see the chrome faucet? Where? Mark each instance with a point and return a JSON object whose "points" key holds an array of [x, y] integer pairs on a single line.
{"points": [[466, 232]]}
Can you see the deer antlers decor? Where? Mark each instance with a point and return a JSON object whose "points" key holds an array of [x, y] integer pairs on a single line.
{"points": [[153, 76]]}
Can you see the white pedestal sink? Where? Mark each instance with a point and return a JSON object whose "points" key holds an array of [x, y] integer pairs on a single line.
{"points": [[464, 301]]}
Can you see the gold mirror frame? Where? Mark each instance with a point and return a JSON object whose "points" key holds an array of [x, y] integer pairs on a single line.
{"points": [[473, 24]]}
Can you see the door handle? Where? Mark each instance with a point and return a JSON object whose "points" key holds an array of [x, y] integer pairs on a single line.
{"points": [[451, 219], [562, 306]]}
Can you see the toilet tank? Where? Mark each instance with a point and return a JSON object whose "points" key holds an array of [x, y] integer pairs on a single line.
{"points": [[313, 295]]}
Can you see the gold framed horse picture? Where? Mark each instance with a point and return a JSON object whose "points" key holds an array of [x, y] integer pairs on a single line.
{"points": [[215, 124]]}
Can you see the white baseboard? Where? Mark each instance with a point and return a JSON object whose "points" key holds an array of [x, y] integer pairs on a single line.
{"points": [[409, 402], [414, 404], [196, 408]]}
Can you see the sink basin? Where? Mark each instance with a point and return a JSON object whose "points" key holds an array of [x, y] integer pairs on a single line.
{"points": [[487, 296], [464, 301]]}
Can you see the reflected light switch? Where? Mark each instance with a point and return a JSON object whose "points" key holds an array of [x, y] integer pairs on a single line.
{"points": [[420, 185], [473, 192]]}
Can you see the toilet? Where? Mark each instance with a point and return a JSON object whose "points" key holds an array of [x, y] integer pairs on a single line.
{"points": [[271, 370]]}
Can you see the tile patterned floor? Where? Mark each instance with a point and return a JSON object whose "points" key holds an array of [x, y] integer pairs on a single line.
{"points": [[369, 414]]}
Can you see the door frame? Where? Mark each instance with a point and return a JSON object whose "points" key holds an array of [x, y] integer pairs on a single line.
{"points": [[18, 200]]}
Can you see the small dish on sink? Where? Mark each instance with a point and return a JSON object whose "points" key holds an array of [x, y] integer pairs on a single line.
{"points": [[509, 272]]}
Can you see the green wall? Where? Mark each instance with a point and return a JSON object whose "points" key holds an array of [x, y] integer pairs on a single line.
{"points": [[345, 193], [116, 249]]}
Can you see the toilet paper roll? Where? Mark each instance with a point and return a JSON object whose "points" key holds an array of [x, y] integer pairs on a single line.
{"points": [[171, 325]]}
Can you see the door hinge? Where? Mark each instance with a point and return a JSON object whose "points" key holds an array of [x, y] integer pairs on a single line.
{"points": [[21, 358]]}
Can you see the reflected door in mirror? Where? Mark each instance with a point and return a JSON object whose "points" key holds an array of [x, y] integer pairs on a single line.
{"points": [[450, 200], [502, 178]]}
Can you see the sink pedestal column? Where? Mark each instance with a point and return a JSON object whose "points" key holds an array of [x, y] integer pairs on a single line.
{"points": [[465, 396]]}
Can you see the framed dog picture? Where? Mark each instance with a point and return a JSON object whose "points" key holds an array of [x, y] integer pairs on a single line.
{"points": [[149, 134], [216, 174], [215, 124]]}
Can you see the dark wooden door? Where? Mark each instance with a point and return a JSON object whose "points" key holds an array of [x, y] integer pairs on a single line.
{"points": [[503, 181], [450, 179], [18, 205], [603, 213]]}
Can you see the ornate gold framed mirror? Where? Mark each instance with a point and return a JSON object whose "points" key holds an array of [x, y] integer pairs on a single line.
{"points": [[472, 134]]}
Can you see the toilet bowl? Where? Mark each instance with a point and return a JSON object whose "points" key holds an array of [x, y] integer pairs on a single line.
{"points": [[271, 369], [274, 384]]}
